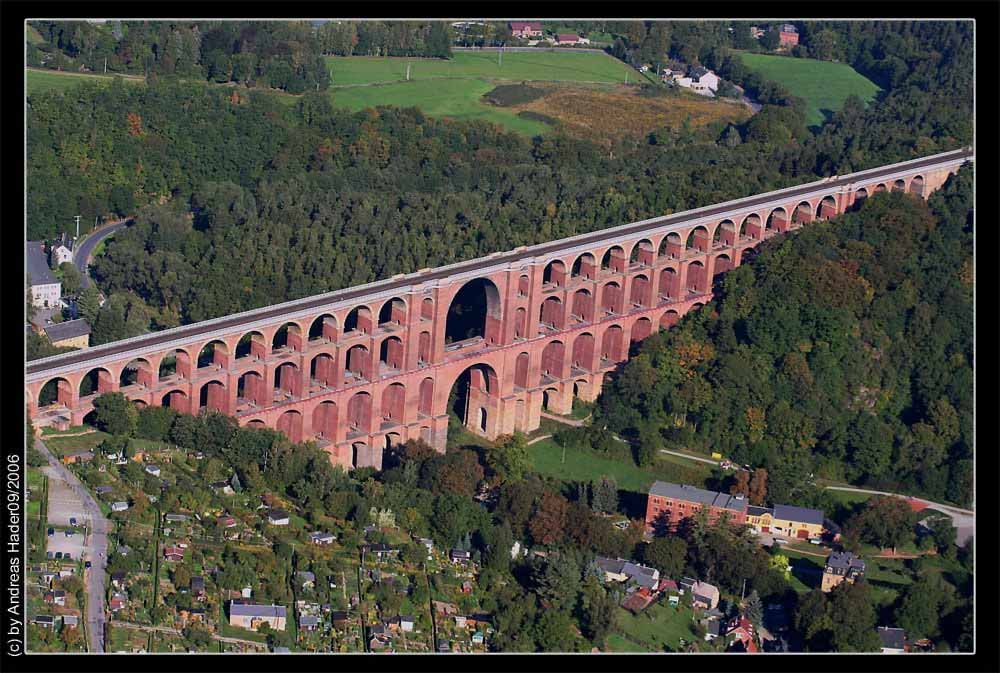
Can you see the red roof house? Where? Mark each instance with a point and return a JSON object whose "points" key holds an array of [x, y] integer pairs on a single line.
{"points": [[523, 29]]}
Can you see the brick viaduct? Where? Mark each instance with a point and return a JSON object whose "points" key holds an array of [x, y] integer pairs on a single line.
{"points": [[363, 368]]}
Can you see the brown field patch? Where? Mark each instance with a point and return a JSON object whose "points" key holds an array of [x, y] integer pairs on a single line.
{"points": [[606, 115]]}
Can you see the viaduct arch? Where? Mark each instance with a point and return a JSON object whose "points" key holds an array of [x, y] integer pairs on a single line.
{"points": [[362, 368]]}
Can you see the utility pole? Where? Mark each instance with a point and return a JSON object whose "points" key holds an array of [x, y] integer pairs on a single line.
{"points": [[77, 218]]}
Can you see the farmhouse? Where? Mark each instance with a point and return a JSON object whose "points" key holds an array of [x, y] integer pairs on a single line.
{"points": [[525, 29], [786, 520], [569, 38], [252, 615], [703, 79], [703, 594]]}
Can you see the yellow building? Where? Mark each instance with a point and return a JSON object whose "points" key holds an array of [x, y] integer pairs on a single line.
{"points": [[786, 521], [74, 333]]}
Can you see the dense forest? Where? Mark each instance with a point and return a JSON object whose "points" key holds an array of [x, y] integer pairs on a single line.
{"points": [[282, 55], [844, 351]]}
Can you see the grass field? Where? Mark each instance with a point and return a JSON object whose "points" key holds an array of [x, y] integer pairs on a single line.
{"points": [[41, 81], [658, 626], [580, 465], [517, 66], [454, 98], [823, 85]]}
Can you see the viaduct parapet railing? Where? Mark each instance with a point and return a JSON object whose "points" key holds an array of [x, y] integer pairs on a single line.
{"points": [[362, 368]]}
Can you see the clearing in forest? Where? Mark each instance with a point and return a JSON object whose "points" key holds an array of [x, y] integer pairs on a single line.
{"points": [[822, 84], [41, 81]]}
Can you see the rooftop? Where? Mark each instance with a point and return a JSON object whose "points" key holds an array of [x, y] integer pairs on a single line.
{"points": [[692, 494], [256, 610], [38, 266], [892, 638], [801, 514], [845, 560]]}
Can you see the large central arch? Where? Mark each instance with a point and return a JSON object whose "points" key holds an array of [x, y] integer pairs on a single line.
{"points": [[474, 313]]}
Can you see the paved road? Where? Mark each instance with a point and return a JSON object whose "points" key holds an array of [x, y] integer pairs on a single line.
{"points": [[81, 257], [96, 550], [964, 520]]}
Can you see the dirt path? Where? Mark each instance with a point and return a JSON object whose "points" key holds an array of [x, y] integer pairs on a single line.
{"points": [[565, 421], [537, 439]]}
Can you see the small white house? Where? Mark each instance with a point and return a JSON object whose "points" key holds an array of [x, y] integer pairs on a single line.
{"points": [[119, 506], [405, 623], [277, 517], [153, 470]]}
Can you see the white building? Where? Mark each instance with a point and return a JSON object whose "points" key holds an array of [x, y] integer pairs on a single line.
{"points": [[46, 290]]}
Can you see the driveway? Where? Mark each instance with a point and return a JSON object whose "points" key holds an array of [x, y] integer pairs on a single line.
{"points": [[81, 256], [73, 495]]}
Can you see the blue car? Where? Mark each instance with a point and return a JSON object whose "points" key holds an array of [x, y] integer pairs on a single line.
{"points": [[52, 531], [86, 564], [72, 521]]}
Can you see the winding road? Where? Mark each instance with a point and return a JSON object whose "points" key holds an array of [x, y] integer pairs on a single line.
{"points": [[96, 549], [82, 255]]}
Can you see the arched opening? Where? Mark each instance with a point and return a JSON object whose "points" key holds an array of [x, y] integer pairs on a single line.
{"points": [[176, 363], [323, 329], [669, 319], [722, 264], [392, 439], [698, 239], [550, 313], [427, 434], [669, 284], [95, 382], [322, 371], [521, 370], [750, 228], [393, 404], [611, 344], [554, 274], [697, 282], [777, 221], [324, 420], [427, 309], [880, 188], [672, 246], [424, 348], [611, 298], [553, 357], [802, 214], [390, 355], [286, 381], [747, 255], [827, 208], [54, 393], [176, 400], [214, 355], [613, 260], [583, 305], [899, 185], [523, 284], [251, 391], [859, 198], [251, 345], [359, 414], [290, 423], [257, 424], [287, 338], [642, 328], [473, 395], [521, 323], [137, 372], [425, 405], [643, 253], [359, 452], [581, 390], [917, 186], [725, 234], [583, 352], [139, 404], [358, 320], [585, 266], [639, 294], [474, 313], [212, 397], [392, 314], [549, 400], [358, 364]]}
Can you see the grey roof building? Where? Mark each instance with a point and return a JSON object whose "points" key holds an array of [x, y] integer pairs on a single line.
{"points": [[38, 266], [844, 560], [893, 639], [692, 494], [70, 329], [256, 610], [802, 514]]}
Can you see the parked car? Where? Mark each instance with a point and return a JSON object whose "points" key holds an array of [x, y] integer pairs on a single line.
{"points": [[52, 531], [58, 554], [69, 533], [87, 564], [815, 540], [67, 555], [72, 521]]}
